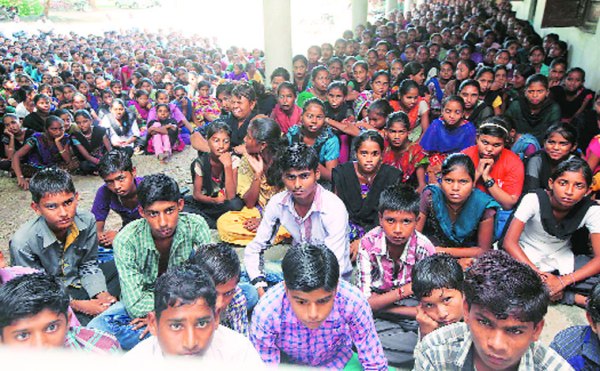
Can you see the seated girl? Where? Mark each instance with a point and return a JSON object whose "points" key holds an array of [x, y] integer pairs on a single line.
{"points": [[592, 153], [359, 184], [456, 216], [560, 143], [380, 83], [121, 127], [214, 176], [13, 138], [475, 110], [258, 179], [42, 150], [540, 233], [415, 107], [206, 108], [162, 97], [436, 86], [90, 142], [572, 97], [314, 133], [401, 153], [286, 113], [339, 113], [319, 81]]}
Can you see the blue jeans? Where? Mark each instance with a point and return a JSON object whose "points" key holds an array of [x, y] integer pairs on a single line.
{"points": [[250, 293], [115, 321]]}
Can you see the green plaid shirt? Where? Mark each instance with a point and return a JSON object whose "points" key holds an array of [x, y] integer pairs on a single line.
{"points": [[137, 259], [451, 348]]}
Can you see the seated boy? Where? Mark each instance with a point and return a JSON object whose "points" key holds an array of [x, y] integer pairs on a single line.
{"points": [[144, 249], [437, 283], [34, 313], [313, 318], [118, 193], [579, 345], [223, 264], [62, 242], [504, 308], [309, 212], [386, 256], [185, 322]]}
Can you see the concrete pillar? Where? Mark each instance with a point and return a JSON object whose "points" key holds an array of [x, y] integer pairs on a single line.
{"points": [[390, 6], [360, 9], [277, 23], [408, 5]]}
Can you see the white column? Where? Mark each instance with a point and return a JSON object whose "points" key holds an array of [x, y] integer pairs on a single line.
{"points": [[277, 25], [360, 8], [408, 5], [390, 6]]}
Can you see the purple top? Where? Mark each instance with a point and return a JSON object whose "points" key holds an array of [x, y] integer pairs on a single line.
{"points": [[106, 200], [43, 155], [175, 113], [275, 329]]}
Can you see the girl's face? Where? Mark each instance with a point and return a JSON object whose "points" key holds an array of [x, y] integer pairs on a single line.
{"points": [[107, 99], [142, 100], [100, 83], [485, 81], [470, 95], [381, 85], [348, 67], [326, 51], [368, 157], [68, 121], [512, 50], [536, 57], [321, 81], [146, 86], [567, 190], [376, 119], [536, 93], [363, 49], [43, 105], [396, 69], [335, 70], [360, 74], [84, 124], [518, 81], [410, 54], [277, 80], [56, 130], [500, 78], [118, 111], [219, 143], [557, 72], [335, 97], [46, 79], [162, 98], [89, 78], [313, 119], [79, 102], [299, 70], [462, 72], [204, 91], [372, 58], [397, 135], [84, 89], [162, 113], [489, 147], [558, 147], [224, 102], [502, 58], [419, 78], [446, 71], [409, 100], [286, 99], [236, 69], [241, 107], [313, 55], [573, 82], [457, 185], [46, 90], [253, 146], [452, 113]]}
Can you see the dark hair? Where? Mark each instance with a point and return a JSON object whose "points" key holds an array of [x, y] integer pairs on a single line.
{"points": [[313, 100], [454, 98], [39, 97], [368, 135], [203, 83], [494, 126], [482, 70], [538, 77], [217, 126], [438, 271], [181, 285], [575, 165], [470, 82], [411, 68], [286, 85], [458, 160], [406, 86], [400, 117], [50, 181], [280, 72], [566, 130], [244, 90], [310, 267], [380, 73], [381, 106], [300, 58], [338, 85], [299, 156], [501, 285], [361, 64], [225, 87], [83, 113], [578, 70], [220, 261], [315, 71], [399, 197], [29, 294], [52, 119], [268, 131], [593, 304], [524, 70], [157, 187], [114, 161]]}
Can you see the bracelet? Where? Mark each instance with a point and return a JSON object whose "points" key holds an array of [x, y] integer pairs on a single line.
{"points": [[561, 281], [572, 278], [401, 292], [61, 152]]}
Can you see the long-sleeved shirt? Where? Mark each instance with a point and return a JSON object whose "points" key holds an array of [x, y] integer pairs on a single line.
{"points": [[326, 223], [137, 258], [34, 245], [275, 329]]}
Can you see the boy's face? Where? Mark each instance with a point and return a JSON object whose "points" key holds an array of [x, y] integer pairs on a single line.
{"points": [[397, 226], [225, 293], [46, 329], [121, 183], [499, 343], [445, 306], [57, 209], [302, 184], [312, 308], [184, 330], [162, 216]]}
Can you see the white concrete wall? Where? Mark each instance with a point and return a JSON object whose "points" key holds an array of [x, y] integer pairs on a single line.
{"points": [[584, 47]]}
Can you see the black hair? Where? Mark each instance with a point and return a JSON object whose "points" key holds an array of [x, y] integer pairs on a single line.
{"points": [[411, 68], [505, 287], [280, 72], [226, 88], [399, 197], [566, 130], [299, 156], [380, 73], [458, 160], [286, 85], [454, 98], [309, 267], [593, 304], [83, 113], [244, 90], [368, 135], [482, 70], [578, 70], [361, 64], [115, 160], [538, 77], [220, 261], [400, 117], [50, 181], [39, 97], [338, 85], [313, 100], [470, 82], [300, 58], [494, 126], [438, 271], [29, 294], [157, 187], [575, 165], [217, 126], [525, 70], [268, 131], [203, 83], [181, 285], [315, 71], [381, 106], [406, 86]]}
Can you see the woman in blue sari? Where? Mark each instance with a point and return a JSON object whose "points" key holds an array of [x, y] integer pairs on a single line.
{"points": [[456, 216]]}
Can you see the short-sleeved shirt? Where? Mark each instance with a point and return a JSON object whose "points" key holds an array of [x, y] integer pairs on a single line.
{"points": [[106, 200], [580, 346], [6, 141], [327, 144], [508, 171]]}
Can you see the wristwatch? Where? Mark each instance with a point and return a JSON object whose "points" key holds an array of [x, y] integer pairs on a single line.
{"points": [[489, 183], [259, 282]]}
